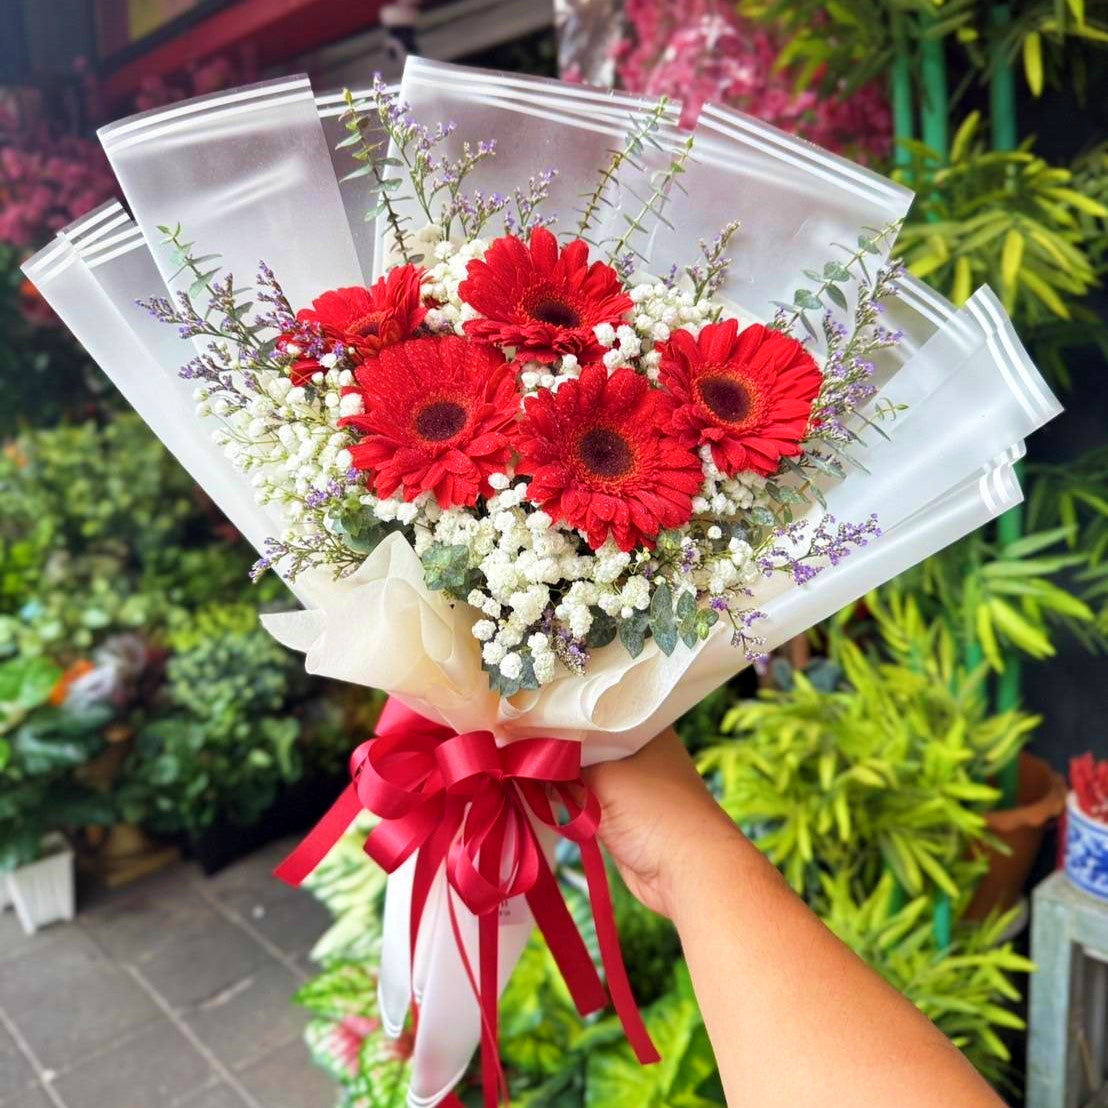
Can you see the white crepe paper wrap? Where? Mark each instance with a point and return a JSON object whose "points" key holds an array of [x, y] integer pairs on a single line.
{"points": [[248, 174]]}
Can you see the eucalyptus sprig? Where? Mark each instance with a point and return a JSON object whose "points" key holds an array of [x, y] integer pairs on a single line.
{"points": [[622, 254], [639, 136], [870, 242], [373, 162]]}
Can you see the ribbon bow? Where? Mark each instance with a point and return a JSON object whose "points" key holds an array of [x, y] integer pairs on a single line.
{"points": [[464, 803]]}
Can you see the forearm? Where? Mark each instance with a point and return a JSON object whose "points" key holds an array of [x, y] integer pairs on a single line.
{"points": [[794, 1016]]}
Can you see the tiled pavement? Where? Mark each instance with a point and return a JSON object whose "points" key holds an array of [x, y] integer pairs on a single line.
{"points": [[171, 993]]}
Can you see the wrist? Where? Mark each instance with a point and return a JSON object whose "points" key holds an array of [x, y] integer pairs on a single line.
{"points": [[708, 857]]}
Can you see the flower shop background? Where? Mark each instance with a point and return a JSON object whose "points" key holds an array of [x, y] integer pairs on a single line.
{"points": [[143, 712]]}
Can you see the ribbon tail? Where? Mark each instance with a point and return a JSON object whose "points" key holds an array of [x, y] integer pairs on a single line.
{"points": [[314, 847], [488, 929], [611, 955], [564, 941]]}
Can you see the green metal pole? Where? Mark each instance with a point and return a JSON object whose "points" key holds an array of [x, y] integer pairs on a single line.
{"points": [[901, 92], [935, 131], [1002, 105], [935, 113]]}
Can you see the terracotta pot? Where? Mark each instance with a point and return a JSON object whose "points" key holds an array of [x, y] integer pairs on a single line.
{"points": [[1041, 797]]}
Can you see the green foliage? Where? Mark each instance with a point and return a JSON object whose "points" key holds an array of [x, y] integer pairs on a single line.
{"points": [[226, 744], [101, 531], [40, 747], [353, 888], [1003, 218], [557, 1060], [1003, 597], [684, 1078], [346, 1041], [851, 42], [47, 376], [885, 771]]}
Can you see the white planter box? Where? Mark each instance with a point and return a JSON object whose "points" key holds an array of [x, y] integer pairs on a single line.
{"points": [[43, 891]]}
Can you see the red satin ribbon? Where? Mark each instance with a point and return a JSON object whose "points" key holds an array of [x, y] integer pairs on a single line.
{"points": [[462, 802]]}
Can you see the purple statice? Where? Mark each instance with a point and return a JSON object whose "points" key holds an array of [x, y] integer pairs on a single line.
{"points": [[527, 202], [625, 265], [752, 645], [268, 290], [708, 275], [827, 543], [573, 653]]}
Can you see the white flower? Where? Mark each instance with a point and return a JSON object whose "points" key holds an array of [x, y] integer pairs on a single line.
{"points": [[351, 404], [605, 334], [493, 653], [543, 663], [483, 630], [511, 666]]}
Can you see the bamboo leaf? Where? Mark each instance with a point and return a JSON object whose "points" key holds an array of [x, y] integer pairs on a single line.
{"points": [[1033, 62]]}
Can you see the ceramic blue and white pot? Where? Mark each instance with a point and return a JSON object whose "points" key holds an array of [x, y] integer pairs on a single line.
{"points": [[1086, 851]]}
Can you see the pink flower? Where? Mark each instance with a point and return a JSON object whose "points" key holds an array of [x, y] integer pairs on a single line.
{"points": [[702, 50]]}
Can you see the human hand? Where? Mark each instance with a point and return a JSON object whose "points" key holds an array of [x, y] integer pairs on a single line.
{"points": [[658, 818]]}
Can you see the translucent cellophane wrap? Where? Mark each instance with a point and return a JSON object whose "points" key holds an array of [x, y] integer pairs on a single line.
{"points": [[252, 175]]}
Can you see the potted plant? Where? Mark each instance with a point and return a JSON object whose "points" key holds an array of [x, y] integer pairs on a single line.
{"points": [[1087, 826], [878, 762], [42, 746]]}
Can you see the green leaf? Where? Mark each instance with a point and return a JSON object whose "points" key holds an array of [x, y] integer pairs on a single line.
{"points": [[201, 283], [445, 567], [25, 683], [348, 989], [1033, 62], [662, 625], [806, 299], [836, 271], [632, 633], [362, 171], [835, 295], [602, 631]]}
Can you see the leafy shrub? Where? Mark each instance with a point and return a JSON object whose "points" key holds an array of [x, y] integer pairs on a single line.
{"points": [[227, 742], [886, 770], [41, 746]]}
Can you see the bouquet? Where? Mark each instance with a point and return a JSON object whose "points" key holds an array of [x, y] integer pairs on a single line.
{"points": [[554, 418]]}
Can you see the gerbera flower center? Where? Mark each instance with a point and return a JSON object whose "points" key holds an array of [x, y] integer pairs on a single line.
{"points": [[440, 421], [726, 398], [367, 325], [547, 308], [605, 453]]}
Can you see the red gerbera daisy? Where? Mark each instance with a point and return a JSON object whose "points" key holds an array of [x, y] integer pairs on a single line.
{"points": [[542, 302], [437, 412], [598, 461], [373, 318], [748, 394]]}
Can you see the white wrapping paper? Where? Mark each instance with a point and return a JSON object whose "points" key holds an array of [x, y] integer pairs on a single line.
{"points": [[249, 174]]}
